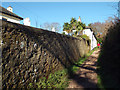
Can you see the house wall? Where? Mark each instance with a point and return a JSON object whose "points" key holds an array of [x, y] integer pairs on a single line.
{"points": [[94, 43], [9, 18], [0, 16], [89, 33], [30, 53]]}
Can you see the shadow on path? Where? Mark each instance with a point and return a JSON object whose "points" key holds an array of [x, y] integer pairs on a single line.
{"points": [[86, 76]]}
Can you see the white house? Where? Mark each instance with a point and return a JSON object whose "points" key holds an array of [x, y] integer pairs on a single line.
{"points": [[8, 15], [91, 35], [53, 29], [26, 21]]}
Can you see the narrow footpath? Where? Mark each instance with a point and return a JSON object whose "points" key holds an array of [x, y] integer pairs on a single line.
{"points": [[86, 76]]}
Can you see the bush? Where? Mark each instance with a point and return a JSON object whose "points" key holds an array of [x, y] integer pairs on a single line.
{"points": [[100, 40], [63, 33], [109, 59], [85, 37]]}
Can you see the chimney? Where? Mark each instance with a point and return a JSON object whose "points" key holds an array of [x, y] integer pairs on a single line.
{"points": [[10, 9], [26, 21]]}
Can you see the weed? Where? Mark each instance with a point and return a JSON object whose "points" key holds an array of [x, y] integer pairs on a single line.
{"points": [[54, 80]]}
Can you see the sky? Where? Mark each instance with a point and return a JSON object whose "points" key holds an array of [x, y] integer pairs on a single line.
{"points": [[60, 0], [61, 12]]}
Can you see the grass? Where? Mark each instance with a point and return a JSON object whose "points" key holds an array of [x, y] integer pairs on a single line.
{"points": [[54, 80], [99, 83]]}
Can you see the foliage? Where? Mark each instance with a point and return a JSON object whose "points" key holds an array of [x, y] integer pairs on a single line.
{"points": [[54, 80], [100, 40], [66, 26], [85, 37], [79, 26], [63, 33], [30, 85], [109, 58], [73, 20], [101, 29], [73, 25], [99, 83]]}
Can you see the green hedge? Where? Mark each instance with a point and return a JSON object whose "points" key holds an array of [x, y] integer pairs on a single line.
{"points": [[109, 59]]}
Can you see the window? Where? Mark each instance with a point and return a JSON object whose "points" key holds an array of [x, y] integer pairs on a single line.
{"points": [[4, 19]]}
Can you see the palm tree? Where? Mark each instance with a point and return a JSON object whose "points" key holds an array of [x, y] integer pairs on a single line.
{"points": [[67, 27], [73, 23], [72, 20], [83, 25], [78, 28]]}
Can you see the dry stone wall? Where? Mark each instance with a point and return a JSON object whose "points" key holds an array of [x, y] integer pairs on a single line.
{"points": [[30, 53]]}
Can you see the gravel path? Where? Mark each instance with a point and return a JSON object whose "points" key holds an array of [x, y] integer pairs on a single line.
{"points": [[86, 76]]}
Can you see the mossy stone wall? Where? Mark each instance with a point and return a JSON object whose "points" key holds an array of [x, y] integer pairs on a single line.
{"points": [[30, 53]]}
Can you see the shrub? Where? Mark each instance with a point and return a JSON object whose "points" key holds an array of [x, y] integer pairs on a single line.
{"points": [[63, 33], [85, 37], [100, 40], [109, 59]]}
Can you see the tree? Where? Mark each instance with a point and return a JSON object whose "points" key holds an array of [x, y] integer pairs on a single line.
{"points": [[83, 25], [67, 27], [56, 26], [73, 20], [89, 25], [101, 29], [49, 26], [78, 28], [74, 25], [46, 26]]}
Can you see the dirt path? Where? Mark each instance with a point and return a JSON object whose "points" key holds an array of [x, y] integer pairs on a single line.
{"points": [[86, 76]]}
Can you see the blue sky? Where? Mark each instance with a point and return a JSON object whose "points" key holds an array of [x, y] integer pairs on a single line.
{"points": [[61, 12]]}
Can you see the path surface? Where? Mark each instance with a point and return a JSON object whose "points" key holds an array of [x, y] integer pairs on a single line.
{"points": [[86, 76]]}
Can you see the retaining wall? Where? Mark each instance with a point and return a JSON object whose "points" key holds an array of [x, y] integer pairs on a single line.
{"points": [[30, 53]]}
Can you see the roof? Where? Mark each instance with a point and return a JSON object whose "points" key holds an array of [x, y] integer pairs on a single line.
{"points": [[5, 11]]}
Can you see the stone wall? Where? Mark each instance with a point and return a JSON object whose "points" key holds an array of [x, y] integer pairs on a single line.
{"points": [[30, 53]]}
